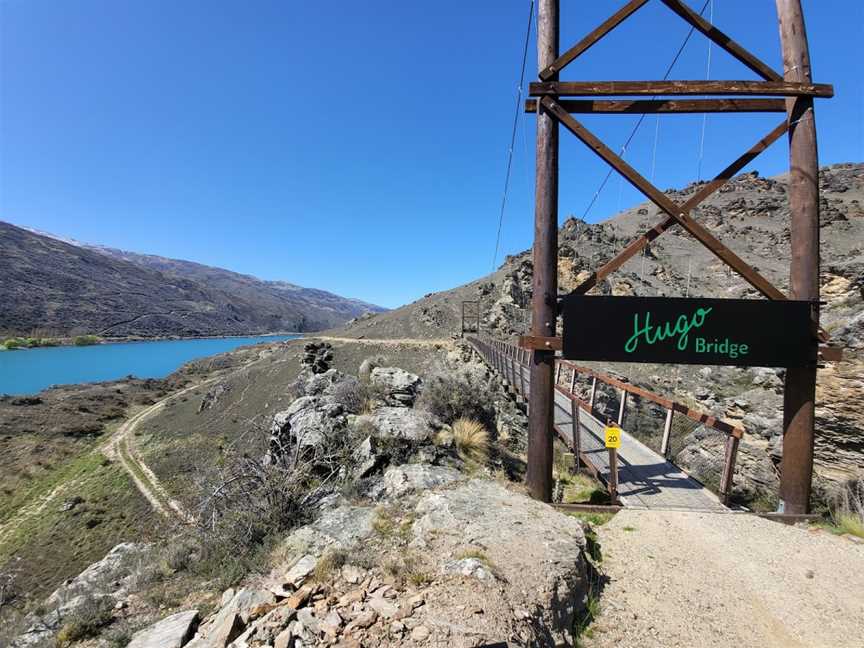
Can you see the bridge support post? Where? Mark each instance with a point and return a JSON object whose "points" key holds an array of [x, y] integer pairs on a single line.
{"points": [[667, 431], [622, 407], [613, 475], [544, 299], [799, 395]]}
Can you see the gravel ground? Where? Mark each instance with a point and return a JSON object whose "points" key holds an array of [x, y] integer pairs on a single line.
{"points": [[696, 579]]}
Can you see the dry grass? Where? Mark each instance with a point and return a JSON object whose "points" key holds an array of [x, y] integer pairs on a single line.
{"points": [[330, 562], [848, 514], [472, 440]]}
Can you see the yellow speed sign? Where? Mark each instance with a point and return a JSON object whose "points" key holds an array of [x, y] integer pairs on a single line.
{"points": [[613, 436]]}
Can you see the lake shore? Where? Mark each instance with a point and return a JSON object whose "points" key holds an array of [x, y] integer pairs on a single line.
{"points": [[40, 343], [23, 374]]}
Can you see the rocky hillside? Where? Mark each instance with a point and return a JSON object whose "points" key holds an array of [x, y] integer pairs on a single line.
{"points": [[751, 215], [55, 287]]}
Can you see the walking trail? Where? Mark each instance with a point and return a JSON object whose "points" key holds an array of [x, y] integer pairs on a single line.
{"points": [[701, 579]]}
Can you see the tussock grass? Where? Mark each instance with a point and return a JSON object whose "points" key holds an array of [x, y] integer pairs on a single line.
{"points": [[472, 440]]}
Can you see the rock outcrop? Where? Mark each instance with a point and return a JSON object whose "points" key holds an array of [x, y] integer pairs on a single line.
{"points": [[446, 560]]}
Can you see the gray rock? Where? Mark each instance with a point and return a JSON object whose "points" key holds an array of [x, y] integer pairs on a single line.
{"points": [[400, 388], [400, 423], [516, 535], [399, 481], [308, 422], [470, 567], [171, 632], [367, 457], [383, 607], [301, 569], [242, 604]]}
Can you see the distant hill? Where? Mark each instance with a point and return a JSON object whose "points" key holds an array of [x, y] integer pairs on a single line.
{"points": [[750, 215], [52, 286]]}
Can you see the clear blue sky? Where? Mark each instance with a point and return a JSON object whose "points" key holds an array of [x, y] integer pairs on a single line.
{"points": [[358, 147]]}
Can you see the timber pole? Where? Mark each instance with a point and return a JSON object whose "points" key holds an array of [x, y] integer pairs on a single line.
{"points": [[544, 302], [799, 393]]}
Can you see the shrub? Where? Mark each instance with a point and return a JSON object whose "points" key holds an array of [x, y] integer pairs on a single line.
{"points": [[330, 561], [358, 397], [453, 396], [85, 340], [87, 621]]}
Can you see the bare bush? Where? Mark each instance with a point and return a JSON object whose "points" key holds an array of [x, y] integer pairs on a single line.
{"points": [[453, 396], [252, 501], [358, 397]]}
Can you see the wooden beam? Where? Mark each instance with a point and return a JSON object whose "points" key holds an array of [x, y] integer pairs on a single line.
{"points": [[704, 192], [623, 88], [540, 343], [722, 40], [799, 385], [541, 400], [588, 508], [672, 106], [574, 52], [659, 198], [830, 354]]}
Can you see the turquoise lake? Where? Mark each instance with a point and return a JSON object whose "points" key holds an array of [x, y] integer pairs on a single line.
{"points": [[32, 370]]}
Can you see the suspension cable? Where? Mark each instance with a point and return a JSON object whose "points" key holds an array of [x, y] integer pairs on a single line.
{"points": [[642, 117], [705, 115], [513, 133]]}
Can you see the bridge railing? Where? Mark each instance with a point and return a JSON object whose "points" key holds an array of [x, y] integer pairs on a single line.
{"points": [[510, 361]]}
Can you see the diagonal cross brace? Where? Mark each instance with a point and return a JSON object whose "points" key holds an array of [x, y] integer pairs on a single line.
{"points": [[574, 52], [687, 14], [722, 40], [709, 188], [659, 198]]}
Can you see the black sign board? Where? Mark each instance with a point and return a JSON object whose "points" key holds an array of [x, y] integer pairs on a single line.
{"points": [[743, 332]]}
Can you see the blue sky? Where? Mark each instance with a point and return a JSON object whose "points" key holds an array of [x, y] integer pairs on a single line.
{"points": [[358, 147]]}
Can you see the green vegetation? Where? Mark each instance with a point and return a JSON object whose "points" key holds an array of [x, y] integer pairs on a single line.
{"points": [[85, 340], [12, 343], [88, 503], [575, 488], [476, 554], [594, 519], [847, 511], [87, 621]]}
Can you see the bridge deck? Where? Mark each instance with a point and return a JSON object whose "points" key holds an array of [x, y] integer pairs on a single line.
{"points": [[645, 478]]}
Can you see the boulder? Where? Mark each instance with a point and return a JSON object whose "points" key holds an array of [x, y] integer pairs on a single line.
{"points": [[400, 423], [536, 554], [399, 387], [400, 481], [301, 570], [308, 422], [171, 632]]}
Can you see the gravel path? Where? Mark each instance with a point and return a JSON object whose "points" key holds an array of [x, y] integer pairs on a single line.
{"points": [[701, 579]]}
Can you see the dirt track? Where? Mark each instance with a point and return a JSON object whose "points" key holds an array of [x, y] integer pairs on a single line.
{"points": [[696, 579]]}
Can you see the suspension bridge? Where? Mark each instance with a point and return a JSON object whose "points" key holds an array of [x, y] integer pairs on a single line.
{"points": [[644, 477]]}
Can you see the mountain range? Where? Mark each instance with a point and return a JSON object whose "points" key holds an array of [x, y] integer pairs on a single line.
{"points": [[57, 287]]}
